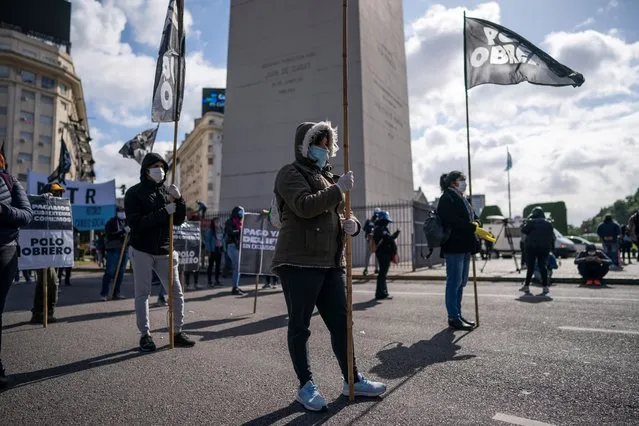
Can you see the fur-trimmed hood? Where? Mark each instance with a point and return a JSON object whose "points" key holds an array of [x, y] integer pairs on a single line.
{"points": [[308, 132]]}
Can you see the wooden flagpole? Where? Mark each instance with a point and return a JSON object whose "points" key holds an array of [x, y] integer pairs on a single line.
{"points": [[176, 120], [45, 297], [117, 270], [470, 179], [347, 196]]}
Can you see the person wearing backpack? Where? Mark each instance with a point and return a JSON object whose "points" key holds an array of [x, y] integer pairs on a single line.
{"points": [[458, 218], [309, 256], [385, 249], [15, 211], [369, 227]]}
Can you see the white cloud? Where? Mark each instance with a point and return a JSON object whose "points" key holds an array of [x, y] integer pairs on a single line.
{"points": [[566, 143], [585, 23], [118, 80]]}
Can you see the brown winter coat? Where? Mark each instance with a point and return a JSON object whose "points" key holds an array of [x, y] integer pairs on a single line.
{"points": [[311, 208]]}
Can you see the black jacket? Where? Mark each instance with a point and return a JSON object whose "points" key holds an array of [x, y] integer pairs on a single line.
{"points": [[385, 241], [16, 210], [231, 233], [115, 234], [454, 212], [145, 213], [540, 235]]}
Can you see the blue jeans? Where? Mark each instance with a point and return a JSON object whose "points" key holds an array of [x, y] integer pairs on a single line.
{"points": [[234, 254], [612, 251], [112, 258], [457, 265]]}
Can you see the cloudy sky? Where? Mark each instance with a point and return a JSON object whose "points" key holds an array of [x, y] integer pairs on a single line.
{"points": [[580, 145]]}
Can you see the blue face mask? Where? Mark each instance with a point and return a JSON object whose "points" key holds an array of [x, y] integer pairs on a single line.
{"points": [[319, 155]]}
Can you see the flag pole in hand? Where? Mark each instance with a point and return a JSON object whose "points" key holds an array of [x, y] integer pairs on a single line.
{"points": [[347, 209], [168, 90]]}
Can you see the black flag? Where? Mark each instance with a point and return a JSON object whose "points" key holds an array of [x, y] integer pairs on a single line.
{"points": [[64, 164], [168, 89], [140, 145], [497, 55]]}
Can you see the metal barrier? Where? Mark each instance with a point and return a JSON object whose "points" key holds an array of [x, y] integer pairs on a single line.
{"points": [[407, 216]]}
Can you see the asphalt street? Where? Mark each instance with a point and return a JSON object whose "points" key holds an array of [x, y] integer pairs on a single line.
{"points": [[572, 359]]}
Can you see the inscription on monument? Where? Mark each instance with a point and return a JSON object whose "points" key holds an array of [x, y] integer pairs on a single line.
{"points": [[284, 75]]}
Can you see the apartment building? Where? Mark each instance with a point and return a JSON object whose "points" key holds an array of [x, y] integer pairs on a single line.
{"points": [[199, 162], [41, 104]]}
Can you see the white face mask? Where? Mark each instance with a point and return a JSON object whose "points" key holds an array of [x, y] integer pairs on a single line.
{"points": [[157, 174], [462, 186], [121, 215]]}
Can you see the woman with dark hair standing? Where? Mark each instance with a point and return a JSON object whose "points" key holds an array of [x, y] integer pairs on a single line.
{"points": [[457, 215], [214, 244]]}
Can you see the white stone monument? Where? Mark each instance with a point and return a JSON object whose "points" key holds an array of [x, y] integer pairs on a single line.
{"points": [[285, 67]]}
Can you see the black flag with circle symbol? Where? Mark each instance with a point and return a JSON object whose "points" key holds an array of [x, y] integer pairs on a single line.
{"points": [[168, 89]]}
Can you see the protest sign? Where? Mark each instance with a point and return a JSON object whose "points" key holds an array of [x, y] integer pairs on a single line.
{"points": [[187, 241], [48, 240], [93, 204], [257, 245]]}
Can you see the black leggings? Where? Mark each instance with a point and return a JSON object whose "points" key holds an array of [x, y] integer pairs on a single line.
{"points": [[304, 289], [8, 268], [214, 258]]}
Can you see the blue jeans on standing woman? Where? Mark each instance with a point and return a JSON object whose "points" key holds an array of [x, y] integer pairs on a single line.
{"points": [[457, 265], [234, 254], [112, 259]]}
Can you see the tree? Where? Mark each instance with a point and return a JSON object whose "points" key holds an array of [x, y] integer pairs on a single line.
{"points": [[489, 211], [621, 210]]}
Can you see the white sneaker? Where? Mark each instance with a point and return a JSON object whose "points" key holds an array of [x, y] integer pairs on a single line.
{"points": [[311, 398], [103, 298], [365, 387]]}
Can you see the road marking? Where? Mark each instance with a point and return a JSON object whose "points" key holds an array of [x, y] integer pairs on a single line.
{"points": [[509, 296], [514, 420], [598, 330]]}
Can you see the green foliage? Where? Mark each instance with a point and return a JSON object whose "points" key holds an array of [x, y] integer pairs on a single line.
{"points": [[621, 210], [558, 212], [489, 211]]}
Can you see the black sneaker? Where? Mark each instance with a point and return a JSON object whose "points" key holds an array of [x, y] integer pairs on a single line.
{"points": [[162, 301], [218, 284], [238, 292], [181, 339], [36, 319], [147, 344]]}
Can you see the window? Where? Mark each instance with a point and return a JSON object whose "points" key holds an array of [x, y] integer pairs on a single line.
{"points": [[51, 60], [28, 76], [30, 53], [26, 117], [210, 161], [47, 120], [4, 45], [48, 83], [3, 110], [4, 90], [45, 140], [63, 89], [64, 106], [3, 131], [47, 100], [24, 157], [210, 149], [44, 159], [28, 96], [26, 136], [210, 187], [4, 71]]}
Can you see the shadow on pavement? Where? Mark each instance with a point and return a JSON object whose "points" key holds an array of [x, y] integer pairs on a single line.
{"points": [[306, 417], [24, 379], [402, 361], [362, 306], [77, 318], [534, 299]]}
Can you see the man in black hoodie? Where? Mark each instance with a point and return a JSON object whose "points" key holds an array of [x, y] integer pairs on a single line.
{"points": [[540, 241], [148, 206]]}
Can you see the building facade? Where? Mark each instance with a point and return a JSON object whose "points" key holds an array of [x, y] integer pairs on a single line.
{"points": [[288, 69], [41, 104], [199, 162]]}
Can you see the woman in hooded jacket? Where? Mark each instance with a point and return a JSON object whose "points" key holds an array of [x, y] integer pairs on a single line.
{"points": [[309, 255]]}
